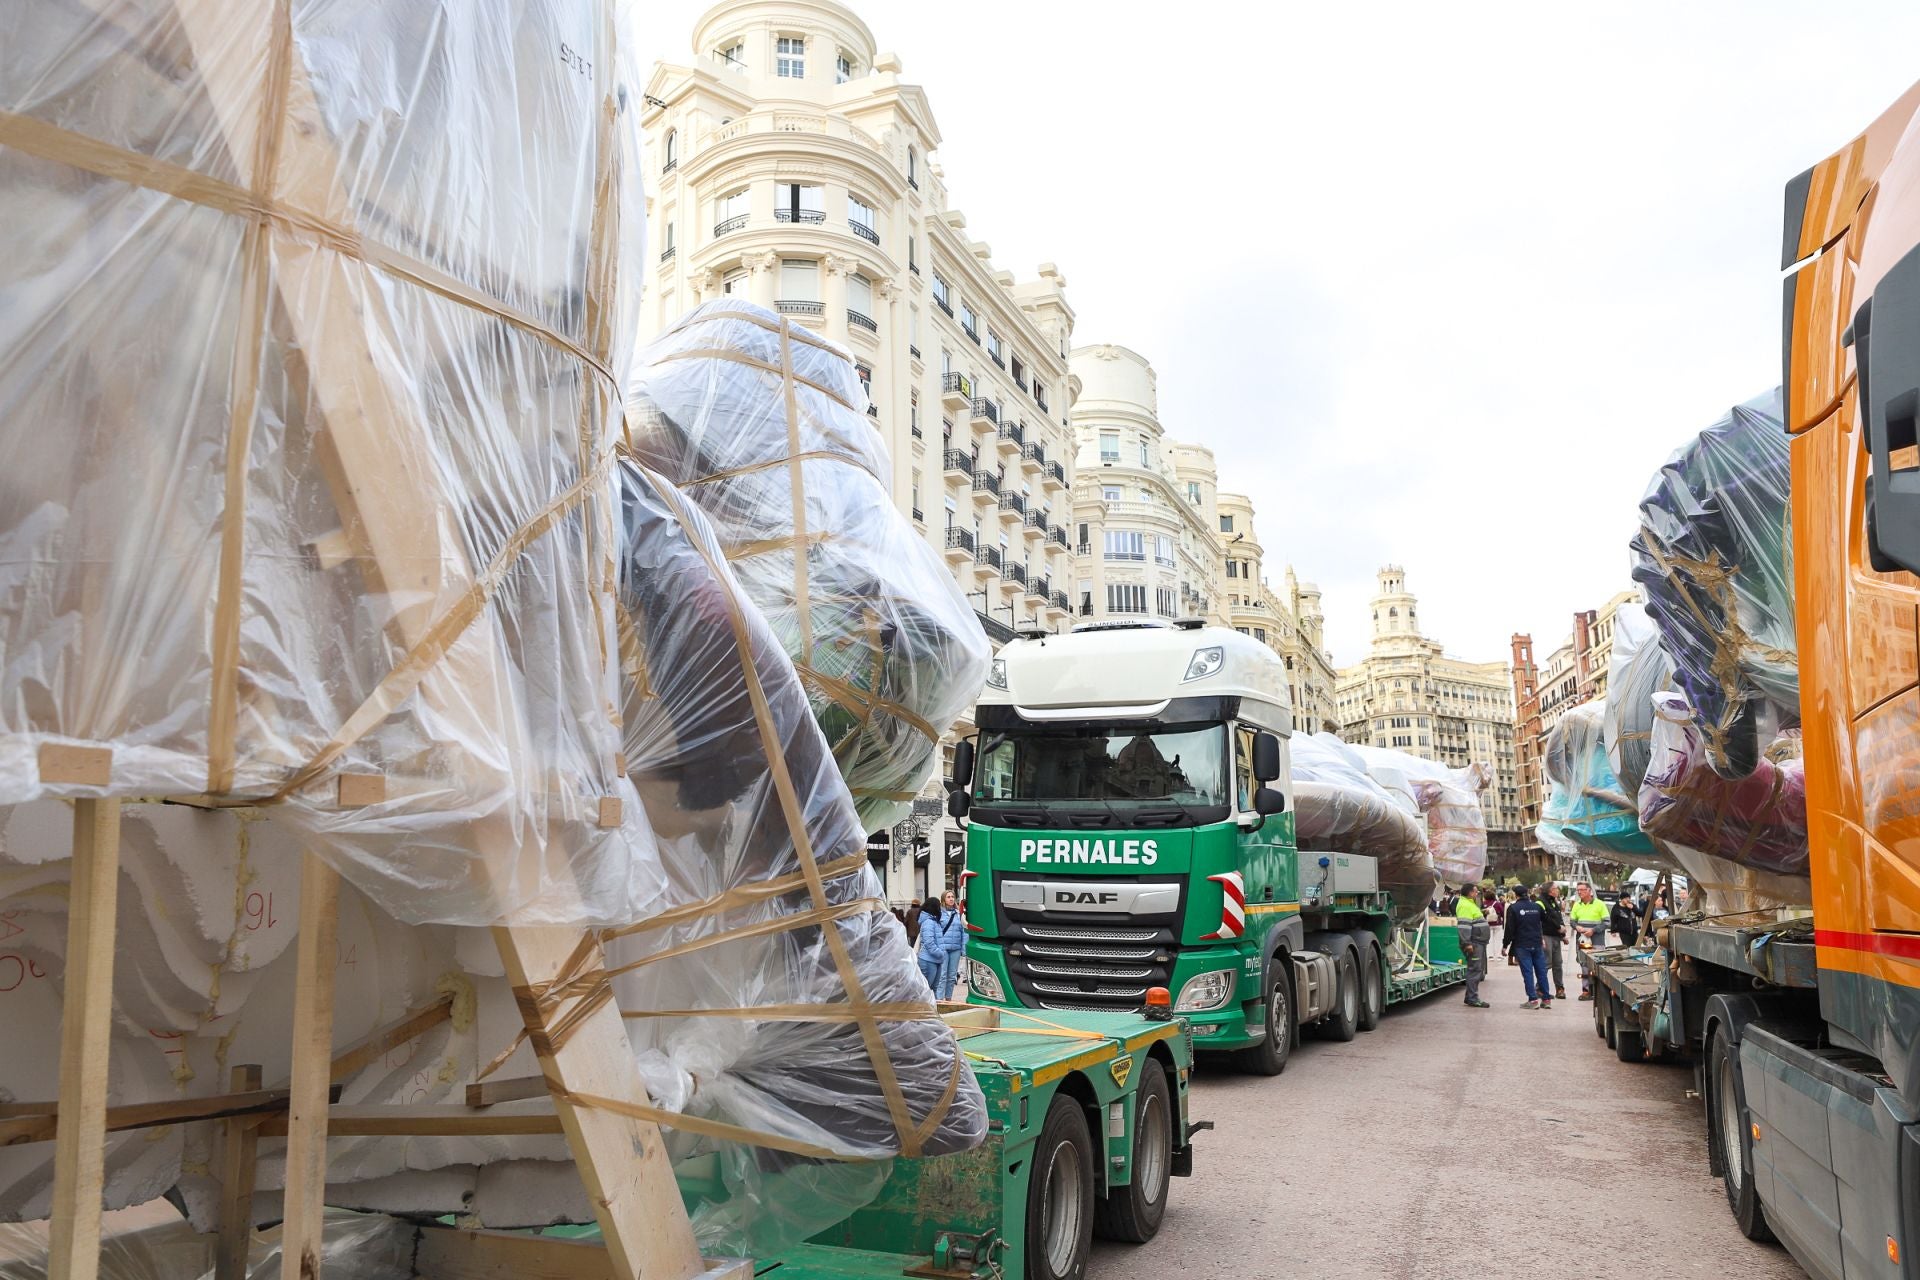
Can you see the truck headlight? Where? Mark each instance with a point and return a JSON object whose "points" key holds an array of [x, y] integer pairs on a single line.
{"points": [[1205, 662], [997, 674], [1205, 991], [983, 980]]}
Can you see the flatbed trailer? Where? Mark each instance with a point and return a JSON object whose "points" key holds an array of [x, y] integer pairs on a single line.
{"points": [[1027, 1202]]}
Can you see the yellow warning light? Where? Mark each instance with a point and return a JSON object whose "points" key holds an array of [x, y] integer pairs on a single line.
{"points": [[1756, 1132], [1893, 1251]]}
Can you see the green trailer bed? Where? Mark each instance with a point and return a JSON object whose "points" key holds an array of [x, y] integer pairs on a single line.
{"points": [[1429, 961]]}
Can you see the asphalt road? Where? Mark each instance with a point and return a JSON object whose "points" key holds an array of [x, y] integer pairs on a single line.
{"points": [[1485, 1143]]}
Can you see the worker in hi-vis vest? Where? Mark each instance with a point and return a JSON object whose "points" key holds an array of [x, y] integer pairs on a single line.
{"points": [[1589, 916], [1475, 935]]}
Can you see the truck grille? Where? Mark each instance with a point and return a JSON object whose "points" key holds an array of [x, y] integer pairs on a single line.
{"points": [[1100, 967]]}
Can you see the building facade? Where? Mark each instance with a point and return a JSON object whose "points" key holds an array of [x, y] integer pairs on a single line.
{"points": [[790, 164], [1155, 537], [1409, 695]]}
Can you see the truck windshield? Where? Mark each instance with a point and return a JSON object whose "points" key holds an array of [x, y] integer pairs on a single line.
{"points": [[1105, 766]]}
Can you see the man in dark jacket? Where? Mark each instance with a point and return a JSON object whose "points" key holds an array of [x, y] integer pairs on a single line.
{"points": [[1553, 928], [1623, 919], [1526, 931]]}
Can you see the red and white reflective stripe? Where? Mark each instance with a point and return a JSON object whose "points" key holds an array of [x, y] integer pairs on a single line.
{"points": [[1233, 907]]}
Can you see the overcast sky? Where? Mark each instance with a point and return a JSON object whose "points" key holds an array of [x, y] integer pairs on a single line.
{"points": [[1441, 285]]}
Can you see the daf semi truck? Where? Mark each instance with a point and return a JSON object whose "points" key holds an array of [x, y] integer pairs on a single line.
{"points": [[1131, 827]]}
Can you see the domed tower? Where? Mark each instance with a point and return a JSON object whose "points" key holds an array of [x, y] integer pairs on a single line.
{"points": [[1395, 610], [786, 48]]}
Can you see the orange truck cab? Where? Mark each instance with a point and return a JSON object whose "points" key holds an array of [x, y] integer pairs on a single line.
{"points": [[1808, 1039]]}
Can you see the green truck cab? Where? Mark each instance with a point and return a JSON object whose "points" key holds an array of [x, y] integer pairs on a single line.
{"points": [[1131, 827]]}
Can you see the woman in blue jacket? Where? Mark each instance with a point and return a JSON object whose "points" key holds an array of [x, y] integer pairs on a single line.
{"points": [[956, 929], [932, 945]]}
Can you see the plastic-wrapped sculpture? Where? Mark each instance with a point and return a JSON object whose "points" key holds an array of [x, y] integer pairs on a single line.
{"points": [[1450, 801], [764, 425], [1340, 805], [1757, 821], [1637, 669], [1714, 557], [1587, 804]]}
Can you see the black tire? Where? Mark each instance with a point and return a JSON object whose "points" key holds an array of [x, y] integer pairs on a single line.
{"points": [[1727, 1130], [1341, 1024], [1269, 1057], [1599, 1011], [1373, 982], [1133, 1213], [1613, 1023], [1060, 1195], [1629, 1041]]}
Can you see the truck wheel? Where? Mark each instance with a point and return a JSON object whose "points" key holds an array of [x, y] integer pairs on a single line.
{"points": [[1727, 1130], [1629, 1041], [1269, 1057], [1345, 1018], [1133, 1213], [1060, 1195], [1612, 1021], [1373, 982], [1599, 1010]]}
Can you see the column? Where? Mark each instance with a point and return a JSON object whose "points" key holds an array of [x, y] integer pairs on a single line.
{"points": [[762, 278], [834, 297]]}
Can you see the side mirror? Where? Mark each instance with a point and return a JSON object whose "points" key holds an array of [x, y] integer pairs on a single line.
{"points": [[958, 802], [1268, 801], [1266, 758], [963, 765]]}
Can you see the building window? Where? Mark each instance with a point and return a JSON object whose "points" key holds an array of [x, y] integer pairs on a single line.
{"points": [[913, 257], [940, 294], [1233, 568], [842, 69], [1193, 492], [733, 56], [730, 211], [1110, 493], [735, 282], [1040, 393], [1019, 373], [1163, 601], [1125, 598], [1109, 446], [913, 411], [791, 58], [913, 168], [1126, 544], [796, 203], [1226, 524], [1163, 549], [913, 330], [969, 322], [860, 297], [667, 240], [799, 280], [860, 218], [670, 151]]}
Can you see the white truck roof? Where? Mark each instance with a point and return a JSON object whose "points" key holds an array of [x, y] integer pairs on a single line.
{"points": [[1124, 670]]}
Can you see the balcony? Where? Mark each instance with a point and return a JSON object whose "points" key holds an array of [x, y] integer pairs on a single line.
{"points": [[919, 516], [861, 321], [1058, 600], [986, 488], [985, 408], [865, 232], [917, 432], [729, 226], [1038, 586], [1058, 537], [1035, 525], [1011, 501], [959, 545], [971, 333], [957, 460], [1012, 439], [800, 307], [956, 390], [1165, 562], [1033, 457], [914, 267], [997, 358], [997, 631], [1084, 549], [810, 216], [1039, 397], [990, 556], [944, 305], [1139, 556], [1014, 571], [666, 254], [1056, 476], [670, 166], [913, 351]]}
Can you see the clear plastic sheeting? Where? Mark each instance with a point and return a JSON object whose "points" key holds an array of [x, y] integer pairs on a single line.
{"points": [[311, 340], [1759, 821], [144, 1244], [1715, 558], [1637, 669], [1338, 805], [763, 424], [1450, 801], [1586, 803]]}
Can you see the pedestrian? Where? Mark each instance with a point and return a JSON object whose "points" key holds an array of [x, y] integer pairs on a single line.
{"points": [[1506, 939], [932, 946], [1497, 909], [1475, 935], [1526, 930], [1624, 920], [956, 927], [1589, 916], [1553, 927]]}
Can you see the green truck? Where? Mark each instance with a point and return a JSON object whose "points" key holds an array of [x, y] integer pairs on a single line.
{"points": [[1131, 828]]}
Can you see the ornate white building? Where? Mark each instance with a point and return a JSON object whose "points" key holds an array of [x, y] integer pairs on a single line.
{"points": [[1155, 537], [790, 163], [1408, 694]]}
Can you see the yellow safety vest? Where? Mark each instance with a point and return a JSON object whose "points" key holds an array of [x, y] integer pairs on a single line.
{"points": [[1468, 909], [1593, 912]]}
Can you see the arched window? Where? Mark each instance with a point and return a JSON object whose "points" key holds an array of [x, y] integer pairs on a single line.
{"points": [[670, 149], [1393, 613], [913, 168]]}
